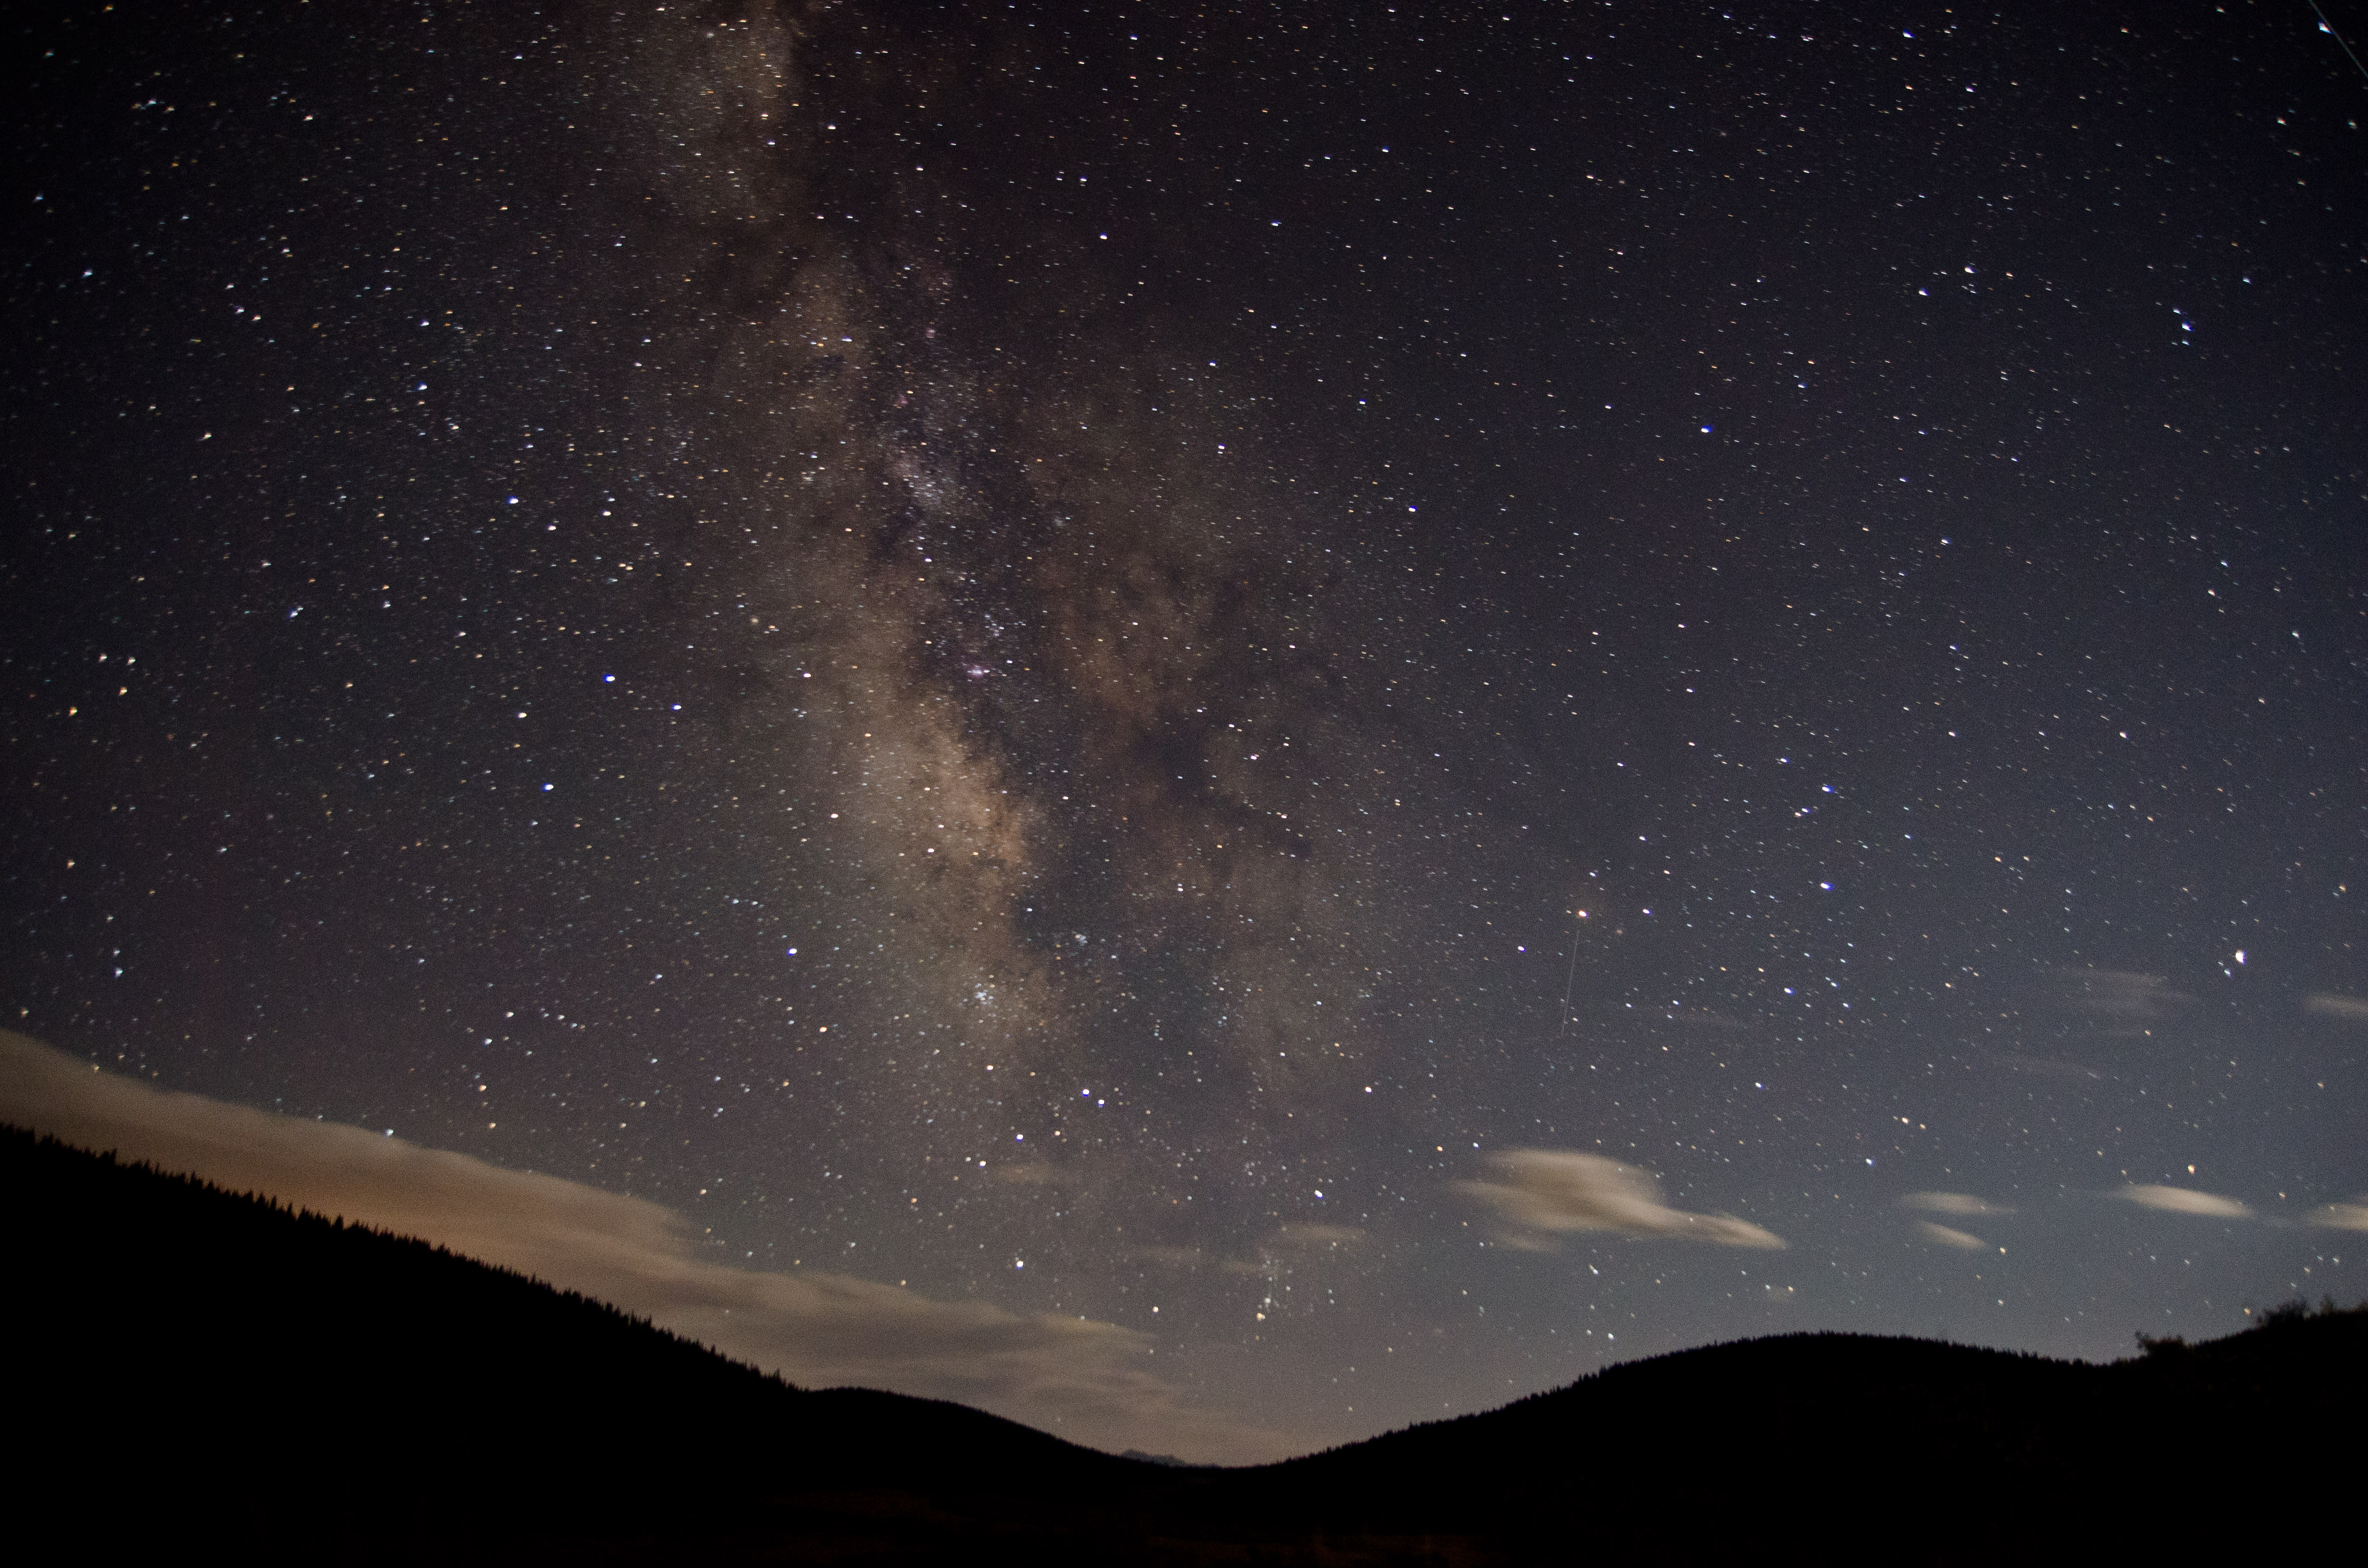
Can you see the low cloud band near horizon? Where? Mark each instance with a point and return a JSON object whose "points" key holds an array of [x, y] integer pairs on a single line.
{"points": [[1091, 1382]]}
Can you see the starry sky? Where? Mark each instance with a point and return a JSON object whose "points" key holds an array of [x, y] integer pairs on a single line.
{"points": [[1408, 699]]}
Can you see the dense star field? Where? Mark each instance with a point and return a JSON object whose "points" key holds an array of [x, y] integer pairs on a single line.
{"points": [[1406, 699]]}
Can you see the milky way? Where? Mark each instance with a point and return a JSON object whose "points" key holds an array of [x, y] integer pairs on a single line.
{"points": [[1056, 763], [1447, 693]]}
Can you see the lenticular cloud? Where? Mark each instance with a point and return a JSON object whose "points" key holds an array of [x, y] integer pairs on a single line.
{"points": [[1540, 1193]]}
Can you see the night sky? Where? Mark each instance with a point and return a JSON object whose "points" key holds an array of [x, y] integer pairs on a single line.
{"points": [[1407, 699]]}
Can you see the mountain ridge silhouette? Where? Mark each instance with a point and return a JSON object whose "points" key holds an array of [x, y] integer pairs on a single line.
{"points": [[197, 1365]]}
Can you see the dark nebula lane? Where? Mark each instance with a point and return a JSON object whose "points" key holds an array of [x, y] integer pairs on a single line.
{"points": [[1404, 698]]}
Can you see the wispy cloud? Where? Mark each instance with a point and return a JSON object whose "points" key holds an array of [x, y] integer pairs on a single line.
{"points": [[2184, 1200], [1941, 1235], [2328, 1005], [2341, 1216], [1951, 1204], [2119, 994], [1540, 1193], [1093, 1382]]}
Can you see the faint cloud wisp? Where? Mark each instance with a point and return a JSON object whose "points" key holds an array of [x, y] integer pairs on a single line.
{"points": [[2327, 1004], [2184, 1200], [1540, 1194], [2119, 994], [1090, 1381], [1951, 1204]]}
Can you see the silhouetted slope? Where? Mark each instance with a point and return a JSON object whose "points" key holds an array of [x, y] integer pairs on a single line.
{"points": [[189, 1360], [193, 1370], [1873, 1448]]}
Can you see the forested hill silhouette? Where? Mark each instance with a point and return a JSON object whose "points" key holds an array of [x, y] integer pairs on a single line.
{"points": [[199, 1370], [214, 1366]]}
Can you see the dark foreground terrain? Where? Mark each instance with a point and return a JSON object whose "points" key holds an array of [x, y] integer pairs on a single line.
{"points": [[197, 1373]]}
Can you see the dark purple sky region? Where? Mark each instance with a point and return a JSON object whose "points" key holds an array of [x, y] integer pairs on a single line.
{"points": [[993, 648]]}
